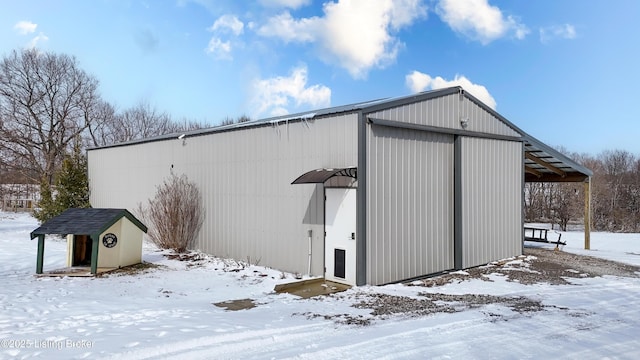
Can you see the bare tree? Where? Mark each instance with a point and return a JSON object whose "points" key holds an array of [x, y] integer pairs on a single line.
{"points": [[175, 215], [533, 201], [240, 119], [186, 125], [565, 203], [138, 122], [46, 101], [616, 166], [100, 132]]}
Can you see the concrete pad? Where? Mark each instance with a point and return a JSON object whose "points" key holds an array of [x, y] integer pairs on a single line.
{"points": [[235, 305], [310, 288], [78, 271]]}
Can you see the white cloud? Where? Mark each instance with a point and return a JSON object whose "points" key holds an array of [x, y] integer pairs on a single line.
{"points": [[229, 23], [25, 27], [288, 29], [355, 34], [566, 31], [417, 82], [39, 38], [293, 4], [219, 49], [274, 96], [479, 21], [225, 24], [404, 12]]}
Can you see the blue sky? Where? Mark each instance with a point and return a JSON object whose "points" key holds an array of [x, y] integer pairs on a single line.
{"points": [[564, 71]]}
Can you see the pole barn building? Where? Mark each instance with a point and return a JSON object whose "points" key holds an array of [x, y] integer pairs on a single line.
{"points": [[370, 193]]}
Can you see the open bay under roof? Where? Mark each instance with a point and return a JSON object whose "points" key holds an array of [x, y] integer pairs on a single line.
{"points": [[544, 164]]}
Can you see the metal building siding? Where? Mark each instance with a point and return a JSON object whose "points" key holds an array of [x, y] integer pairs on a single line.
{"points": [[491, 178], [124, 176], [409, 204], [252, 210], [446, 112]]}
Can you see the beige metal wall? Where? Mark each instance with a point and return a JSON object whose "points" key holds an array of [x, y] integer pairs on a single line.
{"points": [[409, 203], [110, 257], [130, 243], [446, 112], [491, 200], [245, 177]]}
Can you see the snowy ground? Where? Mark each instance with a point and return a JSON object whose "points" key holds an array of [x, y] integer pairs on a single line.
{"points": [[167, 312]]}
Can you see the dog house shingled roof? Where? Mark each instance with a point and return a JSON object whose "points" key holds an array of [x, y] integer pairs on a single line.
{"points": [[85, 222]]}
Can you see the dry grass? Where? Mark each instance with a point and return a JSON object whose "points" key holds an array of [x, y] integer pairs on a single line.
{"points": [[137, 269]]}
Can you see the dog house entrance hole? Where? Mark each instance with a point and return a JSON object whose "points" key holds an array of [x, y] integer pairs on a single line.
{"points": [[82, 246]]}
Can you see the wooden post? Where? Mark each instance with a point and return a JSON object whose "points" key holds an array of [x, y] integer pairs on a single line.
{"points": [[40, 259], [95, 239], [587, 214]]}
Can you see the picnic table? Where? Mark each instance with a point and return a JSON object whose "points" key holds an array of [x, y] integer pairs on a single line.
{"points": [[541, 235]]}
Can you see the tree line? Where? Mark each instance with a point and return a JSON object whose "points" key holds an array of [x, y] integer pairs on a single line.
{"points": [[51, 110], [47, 103], [615, 194]]}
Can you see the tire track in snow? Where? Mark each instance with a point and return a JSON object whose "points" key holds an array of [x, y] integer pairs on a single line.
{"points": [[431, 336], [309, 341], [225, 345], [397, 341]]}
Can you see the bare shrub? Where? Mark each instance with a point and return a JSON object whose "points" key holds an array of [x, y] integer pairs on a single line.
{"points": [[175, 215]]}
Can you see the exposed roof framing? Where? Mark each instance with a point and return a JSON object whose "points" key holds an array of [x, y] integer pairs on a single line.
{"points": [[544, 164], [529, 170], [539, 160]]}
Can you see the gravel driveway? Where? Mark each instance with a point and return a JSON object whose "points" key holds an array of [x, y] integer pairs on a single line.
{"points": [[535, 266]]}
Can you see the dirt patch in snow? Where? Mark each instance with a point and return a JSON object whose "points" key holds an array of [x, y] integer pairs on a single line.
{"points": [[235, 305], [136, 269], [560, 263], [384, 306], [539, 266], [535, 266]]}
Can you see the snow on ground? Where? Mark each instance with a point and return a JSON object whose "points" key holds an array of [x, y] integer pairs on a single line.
{"points": [[619, 247], [167, 312]]}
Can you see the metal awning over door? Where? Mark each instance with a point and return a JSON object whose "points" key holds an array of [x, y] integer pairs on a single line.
{"points": [[322, 175]]}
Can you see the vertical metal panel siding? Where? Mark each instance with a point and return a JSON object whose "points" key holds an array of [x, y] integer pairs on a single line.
{"points": [[252, 210], [491, 200], [410, 203], [446, 112]]}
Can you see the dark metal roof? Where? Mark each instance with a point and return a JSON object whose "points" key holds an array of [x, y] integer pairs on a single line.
{"points": [[85, 222], [322, 175], [542, 163], [272, 121], [365, 106]]}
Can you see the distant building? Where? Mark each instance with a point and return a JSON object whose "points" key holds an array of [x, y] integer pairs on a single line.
{"points": [[383, 191], [19, 197]]}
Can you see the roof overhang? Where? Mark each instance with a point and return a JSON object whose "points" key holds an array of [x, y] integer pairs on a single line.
{"points": [[90, 221], [319, 176], [545, 164]]}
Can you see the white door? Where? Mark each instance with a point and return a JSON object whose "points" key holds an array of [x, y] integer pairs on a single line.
{"points": [[340, 235]]}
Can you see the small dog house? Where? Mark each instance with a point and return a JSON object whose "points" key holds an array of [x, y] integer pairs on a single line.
{"points": [[102, 239]]}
